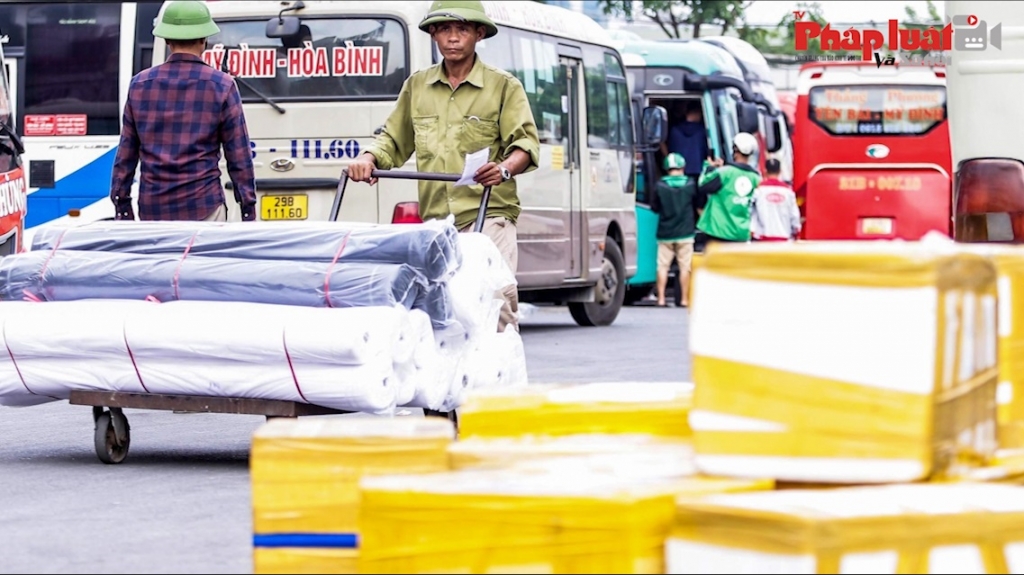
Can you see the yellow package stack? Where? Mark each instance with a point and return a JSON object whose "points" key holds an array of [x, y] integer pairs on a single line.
{"points": [[1009, 262], [916, 528], [504, 452], [513, 521], [659, 409], [843, 362], [305, 483]]}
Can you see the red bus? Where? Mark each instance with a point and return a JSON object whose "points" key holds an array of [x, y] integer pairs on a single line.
{"points": [[872, 157]]}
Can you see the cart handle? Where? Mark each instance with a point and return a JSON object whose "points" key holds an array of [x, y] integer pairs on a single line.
{"points": [[485, 199]]}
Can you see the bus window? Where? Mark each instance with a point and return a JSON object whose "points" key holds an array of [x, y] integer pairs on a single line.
{"points": [[73, 53], [143, 58], [330, 59], [595, 78], [543, 77], [873, 110]]}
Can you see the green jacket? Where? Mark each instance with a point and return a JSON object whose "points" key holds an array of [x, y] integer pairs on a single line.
{"points": [[729, 191], [673, 201], [488, 110]]}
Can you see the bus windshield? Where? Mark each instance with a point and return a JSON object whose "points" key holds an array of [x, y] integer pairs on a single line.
{"points": [[329, 59], [877, 109]]}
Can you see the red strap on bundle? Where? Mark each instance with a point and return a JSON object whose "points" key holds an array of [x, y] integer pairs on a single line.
{"points": [[177, 271], [330, 268], [291, 367]]}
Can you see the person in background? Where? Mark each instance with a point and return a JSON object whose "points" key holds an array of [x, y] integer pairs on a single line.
{"points": [[727, 191], [688, 137], [673, 202], [178, 116], [774, 215]]}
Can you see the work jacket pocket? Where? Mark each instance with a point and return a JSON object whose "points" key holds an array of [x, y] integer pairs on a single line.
{"points": [[477, 134], [427, 137]]}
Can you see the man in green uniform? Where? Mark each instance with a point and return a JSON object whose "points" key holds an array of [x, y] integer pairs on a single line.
{"points": [[673, 202], [729, 191], [455, 108]]}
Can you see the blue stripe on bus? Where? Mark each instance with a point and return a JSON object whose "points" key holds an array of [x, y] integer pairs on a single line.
{"points": [[72, 192], [324, 540]]}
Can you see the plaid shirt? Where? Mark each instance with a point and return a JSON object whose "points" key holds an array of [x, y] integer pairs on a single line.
{"points": [[177, 117]]}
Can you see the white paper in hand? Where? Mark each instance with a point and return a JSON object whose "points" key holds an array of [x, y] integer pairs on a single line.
{"points": [[474, 162]]}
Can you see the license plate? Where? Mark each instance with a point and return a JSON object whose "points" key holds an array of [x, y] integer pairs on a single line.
{"points": [[876, 226], [290, 207]]}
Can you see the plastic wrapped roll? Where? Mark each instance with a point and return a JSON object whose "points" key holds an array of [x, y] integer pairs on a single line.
{"points": [[220, 349], [74, 275], [430, 248], [436, 300]]}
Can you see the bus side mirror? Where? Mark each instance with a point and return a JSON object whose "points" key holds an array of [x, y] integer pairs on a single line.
{"points": [[748, 117], [773, 133], [283, 27], [655, 122]]}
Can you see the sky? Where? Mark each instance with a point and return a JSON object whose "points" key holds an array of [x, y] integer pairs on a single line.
{"points": [[839, 11]]}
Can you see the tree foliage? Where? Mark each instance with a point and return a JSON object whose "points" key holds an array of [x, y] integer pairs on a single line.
{"points": [[675, 17]]}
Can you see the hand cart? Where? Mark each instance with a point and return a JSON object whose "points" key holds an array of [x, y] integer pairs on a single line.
{"points": [[112, 435], [478, 226]]}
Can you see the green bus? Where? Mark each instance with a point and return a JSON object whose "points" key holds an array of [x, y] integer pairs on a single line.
{"points": [[668, 74]]}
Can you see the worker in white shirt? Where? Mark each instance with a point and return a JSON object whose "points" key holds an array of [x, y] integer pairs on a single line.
{"points": [[774, 215]]}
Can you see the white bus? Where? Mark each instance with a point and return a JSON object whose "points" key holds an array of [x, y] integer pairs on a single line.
{"points": [[314, 101], [68, 65], [985, 116]]}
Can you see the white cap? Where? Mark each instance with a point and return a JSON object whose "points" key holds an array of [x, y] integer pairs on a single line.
{"points": [[745, 143]]}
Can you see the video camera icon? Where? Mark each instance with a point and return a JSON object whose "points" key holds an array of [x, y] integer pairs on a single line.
{"points": [[972, 34]]}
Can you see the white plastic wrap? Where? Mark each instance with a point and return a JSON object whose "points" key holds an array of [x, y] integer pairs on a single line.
{"points": [[475, 284], [229, 349]]}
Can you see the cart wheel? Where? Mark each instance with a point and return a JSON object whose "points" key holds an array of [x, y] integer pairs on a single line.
{"points": [[108, 448]]}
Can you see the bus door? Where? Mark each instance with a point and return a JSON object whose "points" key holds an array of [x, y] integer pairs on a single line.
{"points": [[11, 74], [573, 73], [13, 187]]}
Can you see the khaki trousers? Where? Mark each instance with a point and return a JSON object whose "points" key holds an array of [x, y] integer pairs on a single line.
{"points": [[503, 233], [218, 215]]}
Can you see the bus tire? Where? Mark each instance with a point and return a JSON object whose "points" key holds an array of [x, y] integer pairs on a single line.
{"points": [[608, 294]]}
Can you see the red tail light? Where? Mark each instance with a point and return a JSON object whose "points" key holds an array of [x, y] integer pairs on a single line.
{"points": [[406, 213], [989, 201]]}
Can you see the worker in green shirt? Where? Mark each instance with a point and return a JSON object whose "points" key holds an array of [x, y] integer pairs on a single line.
{"points": [[729, 191], [455, 108], [673, 202]]}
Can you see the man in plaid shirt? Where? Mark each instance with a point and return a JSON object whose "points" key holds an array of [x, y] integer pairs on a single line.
{"points": [[178, 116]]}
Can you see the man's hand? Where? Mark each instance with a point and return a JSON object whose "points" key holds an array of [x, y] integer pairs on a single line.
{"points": [[488, 175], [362, 167], [718, 162]]}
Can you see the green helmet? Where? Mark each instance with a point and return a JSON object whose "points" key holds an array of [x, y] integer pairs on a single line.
{"points": [[674, 161], [458, 11], [185, 20]]}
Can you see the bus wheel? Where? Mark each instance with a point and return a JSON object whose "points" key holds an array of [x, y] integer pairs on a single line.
{"points": [[609, 292]]}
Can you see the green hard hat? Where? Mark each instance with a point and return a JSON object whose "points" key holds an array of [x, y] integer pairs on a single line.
{"points": [[674, 161], [186, 20], [458, 11]]}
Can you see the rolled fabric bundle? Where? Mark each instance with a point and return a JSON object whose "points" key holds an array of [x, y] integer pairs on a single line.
{"points": [[66, 275], [431, 247], [436, 300]]}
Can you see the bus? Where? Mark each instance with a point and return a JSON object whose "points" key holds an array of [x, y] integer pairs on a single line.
{"points": [[987, 151], [872, 151], [68, 66], [13, 187], [665, 73], [313, 103], [758, 76]]}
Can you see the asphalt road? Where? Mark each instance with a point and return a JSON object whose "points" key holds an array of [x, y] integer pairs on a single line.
{"points": [[180, 502]]}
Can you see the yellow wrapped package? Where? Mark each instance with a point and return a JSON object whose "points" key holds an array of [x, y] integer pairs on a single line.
{"points": [[843, 362], [504, 521], [1009, 262], [305, 483], [916, 528], [606, 513], [655, 408], [504, 452]]}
